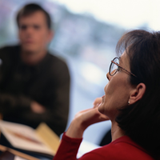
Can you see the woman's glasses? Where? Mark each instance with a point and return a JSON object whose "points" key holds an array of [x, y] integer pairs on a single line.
{"points": [[114, 67]]}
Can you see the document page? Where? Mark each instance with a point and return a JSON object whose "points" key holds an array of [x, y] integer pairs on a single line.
{"points": [[23, 137]]}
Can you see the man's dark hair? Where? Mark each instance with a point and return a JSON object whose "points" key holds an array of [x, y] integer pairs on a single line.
{"points": [[141, 120], [30, 9]]}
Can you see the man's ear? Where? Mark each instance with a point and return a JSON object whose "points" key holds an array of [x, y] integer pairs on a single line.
{"points": [[137, 93], [50, 36]]}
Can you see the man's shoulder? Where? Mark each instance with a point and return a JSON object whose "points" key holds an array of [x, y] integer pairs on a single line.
{"points": [[9, 49], [54, 57], [56, 61], [57, 66]]}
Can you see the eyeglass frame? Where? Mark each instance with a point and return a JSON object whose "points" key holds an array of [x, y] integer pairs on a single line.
{"points": [[119, 67]]}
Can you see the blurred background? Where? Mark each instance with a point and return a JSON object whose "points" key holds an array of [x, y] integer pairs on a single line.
{"points": [[85, 36]]}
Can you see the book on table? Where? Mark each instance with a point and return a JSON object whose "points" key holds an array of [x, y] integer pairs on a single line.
{"points": [[39, 140]]}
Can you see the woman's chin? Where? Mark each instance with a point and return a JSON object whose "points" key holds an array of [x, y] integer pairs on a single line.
{"points": [[101, 108]]}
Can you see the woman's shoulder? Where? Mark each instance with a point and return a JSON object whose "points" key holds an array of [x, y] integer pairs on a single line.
{"points": [[122, 148]]}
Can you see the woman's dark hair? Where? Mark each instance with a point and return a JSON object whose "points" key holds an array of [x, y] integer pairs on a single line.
{"points": [[141, 120], [30, 9]]}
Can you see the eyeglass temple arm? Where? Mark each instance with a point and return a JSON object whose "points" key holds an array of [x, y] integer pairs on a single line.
{"points": [[123, 68]]}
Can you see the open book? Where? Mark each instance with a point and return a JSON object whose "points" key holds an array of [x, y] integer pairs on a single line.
{"points": [[42, 139]]}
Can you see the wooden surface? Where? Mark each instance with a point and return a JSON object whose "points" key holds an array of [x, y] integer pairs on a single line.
{"points": [[17, 153]]}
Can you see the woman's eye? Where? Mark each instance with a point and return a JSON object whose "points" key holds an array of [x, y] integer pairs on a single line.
{"points": [[118, 69]]}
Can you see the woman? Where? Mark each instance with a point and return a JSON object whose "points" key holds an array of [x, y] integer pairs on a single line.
{"points": [[131, 102]]}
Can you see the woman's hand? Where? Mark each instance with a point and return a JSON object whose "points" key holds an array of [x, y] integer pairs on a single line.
{"points": [[97, 102], [85, 118]]}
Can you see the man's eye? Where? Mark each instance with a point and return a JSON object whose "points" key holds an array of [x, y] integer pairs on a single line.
{"points": [[23, 27], [36, 27]]}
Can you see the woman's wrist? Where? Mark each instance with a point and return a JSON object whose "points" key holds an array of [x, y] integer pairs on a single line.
{"points": [[75, 129]]}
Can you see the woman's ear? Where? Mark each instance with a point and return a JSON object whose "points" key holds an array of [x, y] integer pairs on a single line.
{"points": [[137, 93]]}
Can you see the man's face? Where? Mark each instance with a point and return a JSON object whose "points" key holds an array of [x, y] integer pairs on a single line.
{"points": [[34, 34]]}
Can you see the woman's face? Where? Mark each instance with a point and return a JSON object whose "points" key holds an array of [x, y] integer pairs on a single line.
{"points": [[117, 91]]}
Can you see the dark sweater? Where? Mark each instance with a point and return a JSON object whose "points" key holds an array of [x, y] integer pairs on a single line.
{"points": [[47, 83]]}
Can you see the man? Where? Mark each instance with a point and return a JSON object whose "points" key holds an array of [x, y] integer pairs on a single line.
{"points": [[34, 85]]}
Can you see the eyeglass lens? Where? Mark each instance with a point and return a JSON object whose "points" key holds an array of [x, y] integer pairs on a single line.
{"points": [[114, 67]]}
